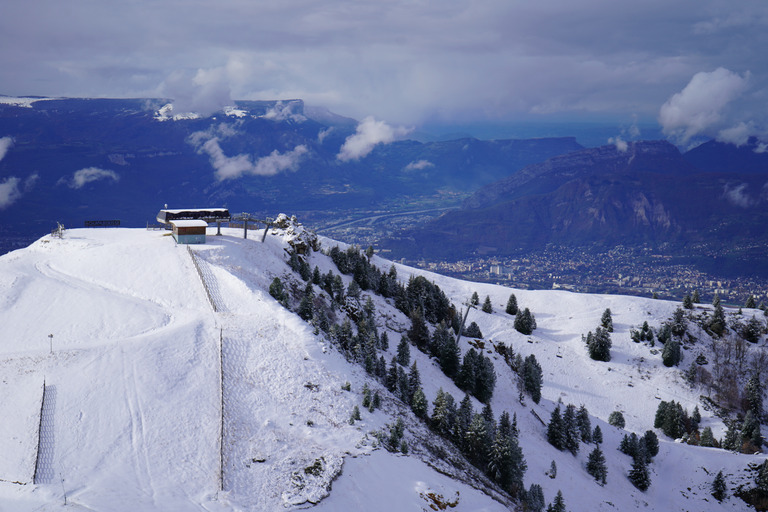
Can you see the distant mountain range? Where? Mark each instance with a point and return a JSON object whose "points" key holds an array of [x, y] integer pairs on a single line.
{"points": [[646, 193], [72, 160]]}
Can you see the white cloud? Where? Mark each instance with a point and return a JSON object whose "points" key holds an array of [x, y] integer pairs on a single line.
{"points": [[737, 135], [204, 93], [323, 134], [9, 191], [89, 174], [419, 165], [231, 167], [285, 111], [761, 147], [369, 133], [737, 196], [701, 108], [5, 144], [621, 145]]}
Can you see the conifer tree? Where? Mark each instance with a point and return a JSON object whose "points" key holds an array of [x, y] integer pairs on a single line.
{"points": [[511, 308], [391, 381], [558, 505], [629, 445], [695, 297], [450, 357], [762, 477], [475, 300], [475, 440], [276, 290], [468, 372], [555, 430], [355, 415], [754, 395], [571, 430], [464, 414], [419, 332], [687, 302], [606, 321], [473, 331], [414, 379], [532, 377], [552, 473], [597, 435], [671, 354], [585, 426], [306, 306], [638, 475], [525, 322], [403, 387], [384, 341], [599, 345], [717, 322], [750, 302], [707, 438], [596, 465], [487, 306], [420, 404], [695, 418], [651, 443], [485, 379], [440, 420], [719, 489], [534, 498], [731, 440], [404, 352]]}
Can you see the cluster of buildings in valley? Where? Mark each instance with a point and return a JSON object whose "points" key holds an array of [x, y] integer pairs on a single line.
{"points": [[620, 271]]}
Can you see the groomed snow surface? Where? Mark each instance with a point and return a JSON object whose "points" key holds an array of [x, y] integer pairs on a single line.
{"points": [[116, 330]]}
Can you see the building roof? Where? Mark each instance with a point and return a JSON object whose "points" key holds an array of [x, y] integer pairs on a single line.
{"points": [[189, 223], [207, 214]]}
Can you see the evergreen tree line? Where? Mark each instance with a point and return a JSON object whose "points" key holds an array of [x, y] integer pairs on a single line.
{"points": [[528, 370], [743, 435], [419, 295], [566, 431], [675, 421], [534, 500], [490, 446], [525, 321]]}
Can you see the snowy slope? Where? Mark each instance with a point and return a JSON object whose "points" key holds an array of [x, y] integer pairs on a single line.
{"points": [[157, 398]]}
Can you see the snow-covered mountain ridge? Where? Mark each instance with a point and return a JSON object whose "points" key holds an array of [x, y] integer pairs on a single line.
{"points": [[165, 394]]}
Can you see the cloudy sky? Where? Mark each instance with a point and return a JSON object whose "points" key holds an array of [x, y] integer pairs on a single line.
{"points": [[698, 66]]}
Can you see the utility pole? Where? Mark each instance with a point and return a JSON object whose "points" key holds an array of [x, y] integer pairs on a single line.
{"points": [[463, 320], [50, 338]]}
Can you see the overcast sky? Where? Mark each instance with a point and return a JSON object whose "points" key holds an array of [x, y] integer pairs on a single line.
{"points": [[699, 66]]}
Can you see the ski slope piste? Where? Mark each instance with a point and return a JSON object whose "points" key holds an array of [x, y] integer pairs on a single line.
{"points": [[139, 374]]}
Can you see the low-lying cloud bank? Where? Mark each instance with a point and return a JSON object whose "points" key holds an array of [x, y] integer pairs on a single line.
{"points": [[715, 105], [12, 188], [87, 175], [232, 167], [369, 133]]}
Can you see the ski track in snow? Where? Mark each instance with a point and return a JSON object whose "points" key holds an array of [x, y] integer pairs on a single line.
{"points": [[46, 455], [138, 440]]}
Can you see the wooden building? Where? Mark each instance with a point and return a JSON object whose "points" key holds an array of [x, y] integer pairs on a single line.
{"points": [[189, 231]]}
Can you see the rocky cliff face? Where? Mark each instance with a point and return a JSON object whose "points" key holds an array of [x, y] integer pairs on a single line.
{"points": [[645, 193], [637, 157]]}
